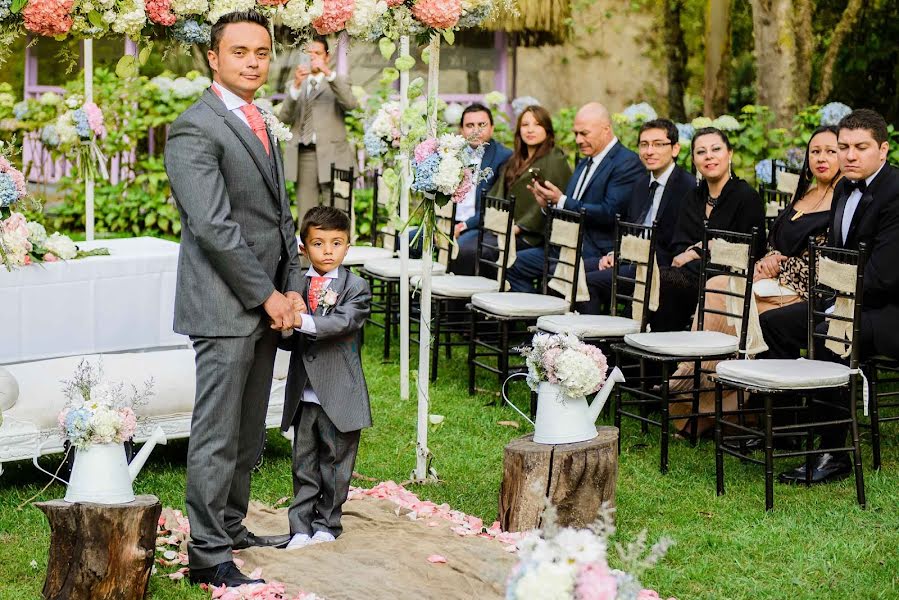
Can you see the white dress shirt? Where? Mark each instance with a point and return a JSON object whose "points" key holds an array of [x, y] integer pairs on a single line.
{"points": [[587, 174], [319, 78], [233, 102], [308, 326], [657, 197], [851, 205], [466, 208]]}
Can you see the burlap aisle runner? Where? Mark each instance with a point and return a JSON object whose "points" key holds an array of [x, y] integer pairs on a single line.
{"points": [[382, 554]]}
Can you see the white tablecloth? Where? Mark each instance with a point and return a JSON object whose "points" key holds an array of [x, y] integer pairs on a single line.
{"points": [[124, 301]]}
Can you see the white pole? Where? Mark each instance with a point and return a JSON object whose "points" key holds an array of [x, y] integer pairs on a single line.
{"points": [[88, 179], [424, 330], [405, 183]]}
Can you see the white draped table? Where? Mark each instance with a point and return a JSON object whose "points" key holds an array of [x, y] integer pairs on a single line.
{"points": [[124, 301]]}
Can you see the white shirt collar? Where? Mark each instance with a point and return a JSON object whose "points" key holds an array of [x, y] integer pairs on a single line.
{"points": [[232, 101], [332, 274], [663, 178], [598, 158]]}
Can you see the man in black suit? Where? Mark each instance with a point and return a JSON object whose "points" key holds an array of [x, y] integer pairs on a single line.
{"points": [[656, 199], [865, 209]]}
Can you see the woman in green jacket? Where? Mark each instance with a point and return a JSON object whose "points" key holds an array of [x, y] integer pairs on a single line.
{"points": [[535, 156]]}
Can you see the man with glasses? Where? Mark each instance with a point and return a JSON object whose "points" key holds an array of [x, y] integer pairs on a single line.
{"points": [[656, 199]]}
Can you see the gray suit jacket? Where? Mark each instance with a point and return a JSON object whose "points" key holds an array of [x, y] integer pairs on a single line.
{"points": [[238, 241], [329, 104], [330, 359]]}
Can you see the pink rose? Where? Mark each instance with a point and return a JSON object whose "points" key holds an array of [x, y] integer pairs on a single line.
{"points": [[50, 257], [330, 297], [594, 582]]}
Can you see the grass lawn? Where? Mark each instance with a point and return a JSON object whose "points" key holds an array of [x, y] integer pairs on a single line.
{"points": [[816, 543]]}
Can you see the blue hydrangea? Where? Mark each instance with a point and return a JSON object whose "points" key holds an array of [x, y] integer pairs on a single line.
{"points": [[763, 172], [795, 158], [424, 173], [832, 113], [685, 132], [191, 32], [82, 125], [77, 423], [8, 192], [374, 145], [640, 113], [4, 9], [20, 110], [49, 136]]}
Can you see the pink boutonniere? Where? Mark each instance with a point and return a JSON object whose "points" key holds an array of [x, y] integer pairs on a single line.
{"points": [[327, 298]]}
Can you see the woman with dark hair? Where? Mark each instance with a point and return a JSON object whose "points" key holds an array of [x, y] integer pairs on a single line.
{"points": [[535, 157], [781, 276], [721, 200]]}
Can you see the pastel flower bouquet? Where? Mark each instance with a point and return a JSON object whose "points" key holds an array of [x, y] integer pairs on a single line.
{"points": [[98, 412], [76, 132], [562, 359], [442, 168], [564, 563]]}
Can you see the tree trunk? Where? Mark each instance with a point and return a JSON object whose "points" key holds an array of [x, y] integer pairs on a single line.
{"points": [[676, 55], [847, 22], [577, 478], [100, 551], [805, 48], [776, 63], [716, 87]]}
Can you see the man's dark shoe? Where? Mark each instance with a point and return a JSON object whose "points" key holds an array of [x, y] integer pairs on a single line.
{"points": [[263, 541], [825, 468], [225, 573]]}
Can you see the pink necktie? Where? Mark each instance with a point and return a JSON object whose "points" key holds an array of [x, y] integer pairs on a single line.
{"points": [[315, 288], [254, 117]]}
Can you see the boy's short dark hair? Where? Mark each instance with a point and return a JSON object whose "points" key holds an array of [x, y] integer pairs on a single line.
{"points": [[473, 108], [321, 39], [241, 16], [865, 118], [327, 218], [665, 125]]}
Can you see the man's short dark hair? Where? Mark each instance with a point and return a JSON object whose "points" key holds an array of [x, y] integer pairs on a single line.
{"points": [[665, 125], [326, 218], [473, 108], [321, 39], [865, 118], [242, 16]]}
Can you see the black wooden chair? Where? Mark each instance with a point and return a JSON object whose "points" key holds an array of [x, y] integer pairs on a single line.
{"points": [[881, 371], [775, 202], [795, 387]]}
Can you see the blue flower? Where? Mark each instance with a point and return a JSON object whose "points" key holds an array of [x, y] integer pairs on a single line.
{"points": [[795, 158], [640, 113], [8, 192], [685, 132], [763, 171], [78, 423], [20, 110], [191, 32], [424, 173], [374, 146], [833, 113], [82, 125], [49, 136]]}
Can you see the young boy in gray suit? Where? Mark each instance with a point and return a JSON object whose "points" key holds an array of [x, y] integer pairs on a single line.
{"points": [[326, 400]]}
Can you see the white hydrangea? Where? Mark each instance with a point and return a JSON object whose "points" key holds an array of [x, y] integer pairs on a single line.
{"points": [[448, 175], [726, 123], [190, 7], [131, 19], [16, 246], [548, 581], [109, 16], [451, 143], [383, 123], [453, 113], [299, 14], [62, 246], [106, 425], [494, 98], [74, 101], [182, 87], [37, 234], [365, 15], [49, 99], [639, 113], [219, 8], [579, 545], [65, 129], [577, 373], [162, 83]]}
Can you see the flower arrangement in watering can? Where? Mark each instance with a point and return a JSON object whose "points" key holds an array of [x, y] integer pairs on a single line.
{"points": [[563, 370], [97, 419]]}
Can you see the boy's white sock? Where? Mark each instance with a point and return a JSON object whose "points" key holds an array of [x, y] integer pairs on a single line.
{"points": [[322, 536], [299, 540]]}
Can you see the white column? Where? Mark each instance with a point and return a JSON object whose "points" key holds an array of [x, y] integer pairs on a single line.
{"points": [[405, 183], [424, 331], [88, 179]]}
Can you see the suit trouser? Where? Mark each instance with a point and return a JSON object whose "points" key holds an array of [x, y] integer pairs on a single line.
{"points": [[234, 380], [323, 461], [600, 285], [309, 190]]}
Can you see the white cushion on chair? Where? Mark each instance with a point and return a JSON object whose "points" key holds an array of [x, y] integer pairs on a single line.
{"points": [[519, 304], [784, 373], [458, 286], [684, 343], [390, 267], [359, 255], [588, 326]]}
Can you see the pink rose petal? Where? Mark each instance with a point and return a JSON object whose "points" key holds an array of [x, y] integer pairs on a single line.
{"points": [[437, 559]]}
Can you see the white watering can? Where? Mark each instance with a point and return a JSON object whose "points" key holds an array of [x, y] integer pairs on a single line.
{"points": [[562, 419], [101, 472]]}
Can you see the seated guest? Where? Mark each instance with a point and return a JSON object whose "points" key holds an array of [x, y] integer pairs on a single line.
{"points": [[722, 200], [535, 157], [602, 184], [476, 125], [656, 199], [781, 276], [866, 209]]}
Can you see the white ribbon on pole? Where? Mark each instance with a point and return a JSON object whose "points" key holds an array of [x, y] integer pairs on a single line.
{"points": [[88, 177], [405, 184]]}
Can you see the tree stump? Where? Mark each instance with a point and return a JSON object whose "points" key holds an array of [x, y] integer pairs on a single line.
{"points": [[577, 478], [100, 551]]}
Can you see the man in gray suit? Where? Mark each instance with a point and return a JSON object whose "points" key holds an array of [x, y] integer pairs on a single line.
{"points": [[238, 285], [315, 107]]}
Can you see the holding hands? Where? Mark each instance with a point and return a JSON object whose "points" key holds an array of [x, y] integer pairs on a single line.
{"points": [[284, 310], [769, 267]]}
